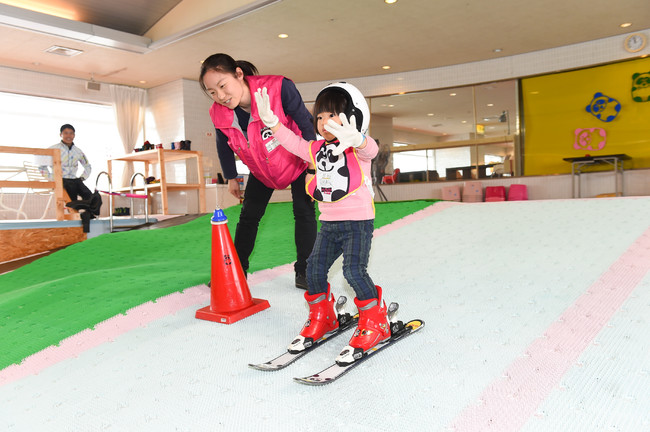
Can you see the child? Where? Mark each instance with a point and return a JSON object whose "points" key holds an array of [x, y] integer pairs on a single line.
{"points": [[343, 188]]}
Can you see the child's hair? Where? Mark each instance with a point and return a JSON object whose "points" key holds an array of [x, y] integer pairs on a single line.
{"points": [[331, 99], [226, 64]]}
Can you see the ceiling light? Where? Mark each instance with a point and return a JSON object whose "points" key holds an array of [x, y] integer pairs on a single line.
{"points": [[54, 10], [283, 35], [452, 94], [430, 114], [390, 1], [625, 25], [385, 67], [490, 104], [63, 51], [497, 50]]}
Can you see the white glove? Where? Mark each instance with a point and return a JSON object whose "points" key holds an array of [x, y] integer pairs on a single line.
{"points": [[264, 108], [346, 132]]}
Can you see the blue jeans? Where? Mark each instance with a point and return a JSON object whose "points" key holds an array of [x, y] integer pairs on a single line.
{"points": [[352, 239]]}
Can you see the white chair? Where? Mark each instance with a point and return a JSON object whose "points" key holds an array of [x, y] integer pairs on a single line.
{"points": [[9, 173], [34, 174]]}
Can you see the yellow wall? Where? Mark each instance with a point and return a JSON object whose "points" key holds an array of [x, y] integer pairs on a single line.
{"points": [[555, 106]]}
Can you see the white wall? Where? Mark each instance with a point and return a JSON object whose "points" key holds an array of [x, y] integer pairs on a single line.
{"points": [[54, 86]]}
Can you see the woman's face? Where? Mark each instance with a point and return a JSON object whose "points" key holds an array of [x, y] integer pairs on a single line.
{"points": [[321, 121], [226, 89]]}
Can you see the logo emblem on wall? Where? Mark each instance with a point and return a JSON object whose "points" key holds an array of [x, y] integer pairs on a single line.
{"points": [[641, 87], [590, 139], [604, 107]]}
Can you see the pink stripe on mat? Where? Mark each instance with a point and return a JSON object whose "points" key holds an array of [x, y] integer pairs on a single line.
{"points": [[418, 215], [509, 402], [143, 314], [105, 331]]}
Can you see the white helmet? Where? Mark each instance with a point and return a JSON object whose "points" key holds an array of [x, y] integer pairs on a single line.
{"points": [[357, 105]]}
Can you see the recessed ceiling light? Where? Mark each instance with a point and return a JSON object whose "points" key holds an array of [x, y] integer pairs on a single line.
{"points": [[490, 104], [430, 114], [63, 51], [625, 25], [452, 94], [142, 82], [283, 35], [390, 1], [497, 50], [385, 67]]}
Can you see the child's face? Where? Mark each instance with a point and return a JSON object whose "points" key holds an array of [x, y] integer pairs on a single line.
{"points": [[226, 89], [322, 120]]}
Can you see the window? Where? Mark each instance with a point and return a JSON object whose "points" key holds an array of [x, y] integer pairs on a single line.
{"points": [[428, 160], [34, 122]]}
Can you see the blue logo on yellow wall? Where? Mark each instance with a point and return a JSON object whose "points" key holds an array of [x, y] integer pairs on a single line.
{"points": [[641, 87], [603, 107]]}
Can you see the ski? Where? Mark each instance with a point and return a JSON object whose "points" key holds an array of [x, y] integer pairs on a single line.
{"points": [[346, 321], [399, 331]]}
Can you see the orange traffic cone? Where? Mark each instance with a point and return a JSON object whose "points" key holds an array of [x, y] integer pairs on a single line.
{"points": [[230, 297]]}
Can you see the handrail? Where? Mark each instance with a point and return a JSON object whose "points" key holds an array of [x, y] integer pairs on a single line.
{"points": [[110, 198], [56, 184], [146, 200]]}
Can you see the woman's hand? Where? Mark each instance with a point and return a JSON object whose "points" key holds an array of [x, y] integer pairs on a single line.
{"points": [[264, 108], [346, 132], [233, 188]]}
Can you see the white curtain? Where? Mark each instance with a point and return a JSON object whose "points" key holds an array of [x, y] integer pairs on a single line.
{"points": [[128, 105]]}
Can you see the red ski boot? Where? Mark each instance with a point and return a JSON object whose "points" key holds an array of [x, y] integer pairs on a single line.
{"points": [[322, 320], [373, 328]]}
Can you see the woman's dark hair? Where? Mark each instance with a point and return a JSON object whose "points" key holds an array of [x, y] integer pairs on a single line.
{"points": [[226, 64], [330, 99]]}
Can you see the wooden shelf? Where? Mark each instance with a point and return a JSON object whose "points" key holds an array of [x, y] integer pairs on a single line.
{"points": [[160, 157]]}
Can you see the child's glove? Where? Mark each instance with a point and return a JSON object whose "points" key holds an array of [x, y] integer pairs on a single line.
{"points": [[264, 108], [346, 132]]}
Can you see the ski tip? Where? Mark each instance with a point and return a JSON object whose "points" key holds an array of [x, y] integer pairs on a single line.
{"points": [[264, 367], [311, 381]]}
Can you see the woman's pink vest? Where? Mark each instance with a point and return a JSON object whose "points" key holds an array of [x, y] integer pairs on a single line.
{"points": [[267, 160]]}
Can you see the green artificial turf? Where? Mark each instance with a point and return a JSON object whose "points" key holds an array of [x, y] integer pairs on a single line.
{"points": [[86, 283]]}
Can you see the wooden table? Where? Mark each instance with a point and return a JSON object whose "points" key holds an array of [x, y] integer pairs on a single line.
{"points": [[161, 156]]}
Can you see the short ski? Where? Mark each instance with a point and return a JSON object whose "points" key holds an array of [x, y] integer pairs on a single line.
{"points": [[334, 372], [346, 321]]}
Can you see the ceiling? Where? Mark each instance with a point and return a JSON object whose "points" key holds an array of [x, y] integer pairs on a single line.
{"points": [[163, 41]]}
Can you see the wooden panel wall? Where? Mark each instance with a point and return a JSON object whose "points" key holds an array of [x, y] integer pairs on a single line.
{"points": [[24, 242]]}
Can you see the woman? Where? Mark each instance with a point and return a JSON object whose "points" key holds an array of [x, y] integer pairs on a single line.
{"points": [[241, 132]]}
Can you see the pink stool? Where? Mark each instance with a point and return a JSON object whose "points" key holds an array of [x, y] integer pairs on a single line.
{"points": [[495, 193], [451, 193], [517, 192], [473, 191]]}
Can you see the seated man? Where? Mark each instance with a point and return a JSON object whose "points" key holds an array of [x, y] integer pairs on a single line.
{"points": [[71, 156]]}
